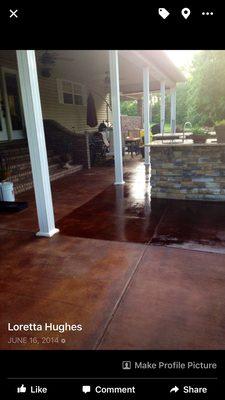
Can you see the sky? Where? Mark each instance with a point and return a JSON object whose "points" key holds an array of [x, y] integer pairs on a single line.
{"points": [[181, 57]]}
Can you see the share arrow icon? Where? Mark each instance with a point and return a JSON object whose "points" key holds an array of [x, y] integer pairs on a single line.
{"points": [[174, 389]]}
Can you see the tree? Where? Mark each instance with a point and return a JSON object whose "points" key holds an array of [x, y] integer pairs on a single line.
{"points": [[182, 106], [129, 107], [201, 99], [156, 108], [206, 88]]}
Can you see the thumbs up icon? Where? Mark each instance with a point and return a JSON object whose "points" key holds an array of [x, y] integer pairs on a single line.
{"points": [[21, 389]]}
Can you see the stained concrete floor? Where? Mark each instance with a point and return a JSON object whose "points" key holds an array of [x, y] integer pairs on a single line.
{"points": [[137, 273]]}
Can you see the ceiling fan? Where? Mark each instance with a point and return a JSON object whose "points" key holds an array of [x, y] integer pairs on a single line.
{"points": [[47, 61], [49, 56]]}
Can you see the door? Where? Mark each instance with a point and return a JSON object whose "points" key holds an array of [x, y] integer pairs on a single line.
{"points": [[12, 104], [3, 130]]}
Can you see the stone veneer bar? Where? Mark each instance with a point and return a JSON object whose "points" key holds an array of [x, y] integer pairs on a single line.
{"points": [[188, 171]]}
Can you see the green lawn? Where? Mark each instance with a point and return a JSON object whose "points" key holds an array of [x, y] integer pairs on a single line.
{"points": [[167, 128]]}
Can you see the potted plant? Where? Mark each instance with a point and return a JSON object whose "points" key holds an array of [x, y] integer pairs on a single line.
{"points": [[199, 135], [220, 131], [6, 187]]}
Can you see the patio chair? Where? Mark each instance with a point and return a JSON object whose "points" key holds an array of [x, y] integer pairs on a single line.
{"points": [[110, 138], [132, 147], [126, 146], [110, 152], [98, 149]]}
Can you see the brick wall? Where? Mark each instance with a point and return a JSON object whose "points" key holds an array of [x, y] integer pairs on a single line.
{"points": [[194, 172]]}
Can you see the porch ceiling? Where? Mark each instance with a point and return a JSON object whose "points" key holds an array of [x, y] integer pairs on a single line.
{"points": [[90, 67]]}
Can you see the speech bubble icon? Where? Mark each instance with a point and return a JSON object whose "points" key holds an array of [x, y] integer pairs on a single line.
{"points": [[86, 389]]}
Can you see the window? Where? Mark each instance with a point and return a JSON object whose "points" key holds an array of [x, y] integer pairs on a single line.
{"points": [[13, 100], [70, 92]]}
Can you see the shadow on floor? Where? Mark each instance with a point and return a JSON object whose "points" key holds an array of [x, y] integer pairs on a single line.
{"points": [[127, 213]]}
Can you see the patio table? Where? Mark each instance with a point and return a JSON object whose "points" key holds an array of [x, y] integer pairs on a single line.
{"points": [[133, 144]]}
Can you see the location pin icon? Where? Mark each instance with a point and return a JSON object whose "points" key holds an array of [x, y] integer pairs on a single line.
{"points": [[186, 12]]}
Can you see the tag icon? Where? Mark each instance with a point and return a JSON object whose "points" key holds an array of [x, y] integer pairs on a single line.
{"points": [[163, 13]]}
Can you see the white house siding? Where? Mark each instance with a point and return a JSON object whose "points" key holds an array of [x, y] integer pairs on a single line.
{"points": [[72, 117]]}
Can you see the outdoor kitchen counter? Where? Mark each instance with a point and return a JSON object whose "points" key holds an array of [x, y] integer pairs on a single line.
{"points": [[188, 171]]}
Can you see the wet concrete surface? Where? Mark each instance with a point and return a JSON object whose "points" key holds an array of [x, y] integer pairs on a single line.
{"points": [[114, 215], [127, 213], [192, 224]]}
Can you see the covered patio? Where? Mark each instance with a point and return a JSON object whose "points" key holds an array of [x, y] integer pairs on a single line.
{"points": [[129, 72]]}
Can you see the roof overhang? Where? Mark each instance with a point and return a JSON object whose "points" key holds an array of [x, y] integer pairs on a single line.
{"points": [[90, 66], [160, 67]]}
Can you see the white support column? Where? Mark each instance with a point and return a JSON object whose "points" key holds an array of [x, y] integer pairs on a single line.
{"points": [[150, 109], [173, 110], [36, 141], [117, 136], [146, 106], [162, 106], [142, 115]]}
